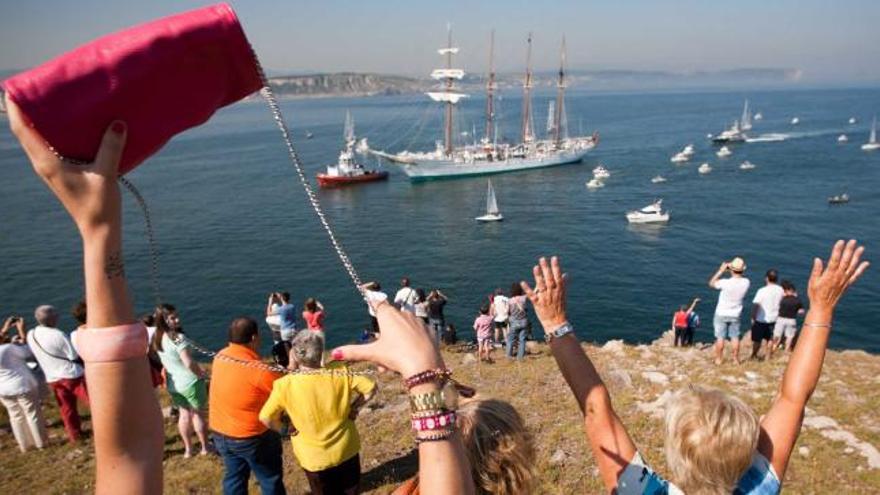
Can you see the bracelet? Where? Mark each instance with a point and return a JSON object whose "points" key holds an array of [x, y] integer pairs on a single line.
{"points": [[119, 343], [436, 437], [435, 375], [428, 413], [818, 325], [434, 400], [435, 422]]}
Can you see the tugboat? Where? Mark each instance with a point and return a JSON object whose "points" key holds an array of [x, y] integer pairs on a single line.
{"points": [[347, 170]]}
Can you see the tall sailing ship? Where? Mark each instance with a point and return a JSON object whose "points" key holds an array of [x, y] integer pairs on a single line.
{"points": [[489, 156]]}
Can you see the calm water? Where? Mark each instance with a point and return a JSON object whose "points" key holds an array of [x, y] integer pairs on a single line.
{"points": [[233, 223]]}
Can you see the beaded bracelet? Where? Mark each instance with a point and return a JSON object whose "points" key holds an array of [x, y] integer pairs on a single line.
{"points": [[436, 437], [436, 422], [435, 375], [428, 413]]}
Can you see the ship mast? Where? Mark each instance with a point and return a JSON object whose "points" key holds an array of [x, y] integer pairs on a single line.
{"points": [[448, 96], [527, 131], [560, 100], [490, 93]]}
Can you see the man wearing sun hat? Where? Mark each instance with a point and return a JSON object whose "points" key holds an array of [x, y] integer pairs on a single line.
{"points": [[730, 303]]}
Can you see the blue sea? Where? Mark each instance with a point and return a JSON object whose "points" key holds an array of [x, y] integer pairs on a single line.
{"points": [[233, 223]]}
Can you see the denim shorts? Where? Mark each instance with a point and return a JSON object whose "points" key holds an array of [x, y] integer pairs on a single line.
{"points": [[726, 327]]}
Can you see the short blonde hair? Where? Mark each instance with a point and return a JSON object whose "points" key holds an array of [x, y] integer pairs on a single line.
{"points": [[500, 449], [710, 440]]}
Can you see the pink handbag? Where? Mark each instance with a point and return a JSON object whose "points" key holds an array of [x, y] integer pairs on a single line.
{"points": [[161, 78]]}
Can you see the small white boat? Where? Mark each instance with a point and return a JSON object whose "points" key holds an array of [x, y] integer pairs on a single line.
{"points": [[652, 213], [759, 116], [747, 165], [601, 172], [724, 152], [842, 138], [595, 183], [658, 180], [309, 135], [492, 212], [795, 121], [872, 143], [839, 199], [852, 120], [679, 158], [688, 150], [704, 168], [734, 134]]}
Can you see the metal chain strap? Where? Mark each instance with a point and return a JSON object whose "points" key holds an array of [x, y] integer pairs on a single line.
{"points": [[151, 238]]}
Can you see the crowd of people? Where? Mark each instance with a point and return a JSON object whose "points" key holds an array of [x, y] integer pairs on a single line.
{"points": [[715, 443]]}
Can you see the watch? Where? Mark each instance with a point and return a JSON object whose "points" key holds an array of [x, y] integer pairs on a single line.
{"points": [[561, 331]]}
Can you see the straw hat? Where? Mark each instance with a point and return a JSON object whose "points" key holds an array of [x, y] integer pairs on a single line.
{"points": [[737, 265]]}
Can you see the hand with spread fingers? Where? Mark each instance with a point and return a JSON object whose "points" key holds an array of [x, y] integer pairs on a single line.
{"points": [[829, 282], [548, 295]]}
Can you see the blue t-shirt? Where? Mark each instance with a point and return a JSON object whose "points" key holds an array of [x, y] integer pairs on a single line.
{"points": [[287, 314], [639, 479]]}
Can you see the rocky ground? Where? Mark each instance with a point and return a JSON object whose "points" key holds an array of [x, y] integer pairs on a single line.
{"points": [[836, 453]]}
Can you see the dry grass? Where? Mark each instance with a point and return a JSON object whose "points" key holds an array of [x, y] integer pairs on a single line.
{"points": [[846, 393]]}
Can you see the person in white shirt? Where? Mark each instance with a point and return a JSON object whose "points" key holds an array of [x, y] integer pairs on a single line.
{"points": [[500, 314], [406, 298], [375, 297], [60, 363], [765, 310], [19, 390], [729, 308]]}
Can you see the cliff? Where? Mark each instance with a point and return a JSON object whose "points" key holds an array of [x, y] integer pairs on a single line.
{"points": [[344, 84]]}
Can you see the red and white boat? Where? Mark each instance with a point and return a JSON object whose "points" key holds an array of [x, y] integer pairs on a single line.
{"points": [[347, 170]]}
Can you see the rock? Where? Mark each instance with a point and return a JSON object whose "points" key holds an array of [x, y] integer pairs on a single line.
{"points": [[751, 376], [666, 339], [657, 408], [804, 451], [855, 353], [619, 379], [558, 457], [820, 422], [614, 347], [468, 358], [656, 377], [849, 450]]}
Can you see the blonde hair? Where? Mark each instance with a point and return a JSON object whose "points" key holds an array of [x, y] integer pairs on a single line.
{"points": [[710, 440], [500, 449]]}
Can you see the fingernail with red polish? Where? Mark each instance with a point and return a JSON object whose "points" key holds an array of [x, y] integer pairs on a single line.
{"points": [[118, 127], [336, 354]]}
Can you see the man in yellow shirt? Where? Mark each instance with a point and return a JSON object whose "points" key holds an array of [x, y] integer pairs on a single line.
{"points": [[322, 407]]}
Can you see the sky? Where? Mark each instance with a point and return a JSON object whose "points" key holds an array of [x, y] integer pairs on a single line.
{"points": [[831, 41]]}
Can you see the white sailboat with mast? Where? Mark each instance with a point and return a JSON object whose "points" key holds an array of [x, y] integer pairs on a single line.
{"points": [[872, 143], [489, 156], [492, 212]]}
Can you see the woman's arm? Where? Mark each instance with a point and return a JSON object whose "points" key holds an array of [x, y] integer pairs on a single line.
{"points": [[782, 424], [404, 346], [191, 364], [126, 419], [612, 447], [718, 274], [19, 328]]}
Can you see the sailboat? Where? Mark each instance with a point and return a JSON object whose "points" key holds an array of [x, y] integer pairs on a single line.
{"points": [[489, 156], [492, 213], [745, 122], [872, 143], [736, 132]]}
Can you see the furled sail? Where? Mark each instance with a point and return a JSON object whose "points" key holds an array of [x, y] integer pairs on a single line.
{"points": [[447, 97]]}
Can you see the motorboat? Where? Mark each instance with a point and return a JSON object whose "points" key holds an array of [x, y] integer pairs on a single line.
{"points": [[852, 120], [759, 116], [732, 135], [680, 158], [842, 138], [795, 121], [309, 135], [595, 183], [838, 199], [492, 212], [688, 150], [347, 170], [704, 168], [653, 213], [601, 172], [724, 152], [658, 180], [747, 165], [872, 143]]}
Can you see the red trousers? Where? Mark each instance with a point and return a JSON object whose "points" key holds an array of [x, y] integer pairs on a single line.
{"points": [[67, 390]]}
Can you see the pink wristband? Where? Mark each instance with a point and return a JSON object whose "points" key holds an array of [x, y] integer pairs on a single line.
{"points": [[119, 343], [437, 422]]}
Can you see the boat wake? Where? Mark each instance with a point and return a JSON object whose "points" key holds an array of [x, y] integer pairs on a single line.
{"points": [[769, 138], [775, 137]]}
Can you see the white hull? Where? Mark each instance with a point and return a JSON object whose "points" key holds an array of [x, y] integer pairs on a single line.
{"points": [[490, 218], [871, 146], [428, 169], [638, 217]]}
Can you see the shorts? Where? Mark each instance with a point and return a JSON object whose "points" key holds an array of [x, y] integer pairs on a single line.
{"points": [[501, 325], [193, 397], [726, 327], [785, 326], [761, 331], [482, 340]]}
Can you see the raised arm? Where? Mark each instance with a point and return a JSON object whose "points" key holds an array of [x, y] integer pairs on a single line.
{"points": [[404, 346], [125, 414], [612, 447], [828, 282], [693, 305], [269, 311], [714, 279]]}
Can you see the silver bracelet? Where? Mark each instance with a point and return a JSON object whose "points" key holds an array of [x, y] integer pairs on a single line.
{"points": [[818, 325]]}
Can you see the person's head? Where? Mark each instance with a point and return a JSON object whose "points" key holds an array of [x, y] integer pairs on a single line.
{"points": [[244, 331], [169, 315], [46, 315], [499, 291], [79, 312], [484, 309], [375, 286], [404, 282], [311, 305], [710, 440], [772, 276], [307, 349], [421, 294], [788, 287], [148, 320], [516, 290], [434, 294], [285, 297], [499, 447], [737, 266]]}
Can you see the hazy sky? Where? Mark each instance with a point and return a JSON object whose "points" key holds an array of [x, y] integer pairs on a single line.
{"points": [[830, 40]]}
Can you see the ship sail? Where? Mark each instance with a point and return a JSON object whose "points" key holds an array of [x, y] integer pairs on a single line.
{"points": [[349, 129], [746, 119], [551, 118], [873, 138], [491, 202], [447, 97]]}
